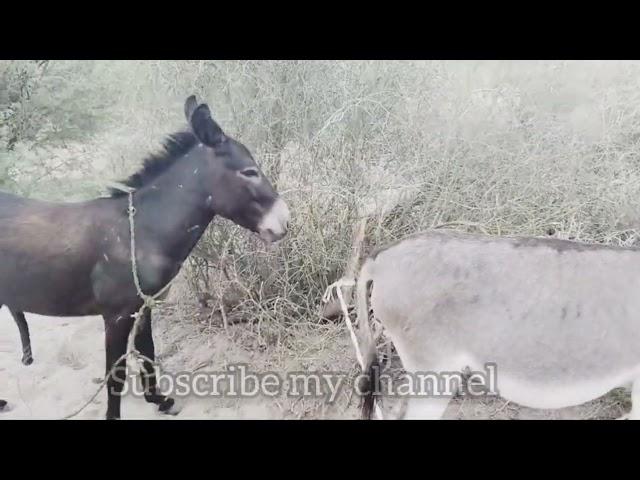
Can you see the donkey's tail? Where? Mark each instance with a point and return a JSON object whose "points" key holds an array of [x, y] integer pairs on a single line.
{"points": [[370, 379]]}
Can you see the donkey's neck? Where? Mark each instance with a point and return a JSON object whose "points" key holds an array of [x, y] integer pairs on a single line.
{"points": [[173, 211]]}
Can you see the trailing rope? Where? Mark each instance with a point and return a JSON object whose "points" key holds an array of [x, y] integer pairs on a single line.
{"points": [[148, 302]]}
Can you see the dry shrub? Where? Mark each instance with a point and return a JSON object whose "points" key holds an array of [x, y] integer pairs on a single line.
{"points": [[530, 148]]}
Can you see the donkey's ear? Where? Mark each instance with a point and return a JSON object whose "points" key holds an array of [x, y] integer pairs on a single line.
{"points": [[189, 107], [204, 127]]}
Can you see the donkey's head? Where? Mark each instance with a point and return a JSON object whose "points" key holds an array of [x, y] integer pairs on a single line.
{"points": [[239, 191]]}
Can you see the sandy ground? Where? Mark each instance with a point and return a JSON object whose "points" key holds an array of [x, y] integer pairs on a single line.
{"points": [[69, 361], [68, 356]]}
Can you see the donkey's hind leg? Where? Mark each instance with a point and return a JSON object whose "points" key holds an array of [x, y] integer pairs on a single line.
{"points": [[634, 414], [27, 356], [425, 408], [144, 344]]}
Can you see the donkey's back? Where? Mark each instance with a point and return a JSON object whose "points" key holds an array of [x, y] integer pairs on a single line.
{"points": [[47, 251], [558, 318], [10, 205]]}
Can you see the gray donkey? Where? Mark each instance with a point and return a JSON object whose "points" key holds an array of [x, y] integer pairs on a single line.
{"points": [[560, 320]]}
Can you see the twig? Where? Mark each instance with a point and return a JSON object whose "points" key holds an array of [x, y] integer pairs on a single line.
{"points": [[331, 309], [224, 316], [463, 223]]}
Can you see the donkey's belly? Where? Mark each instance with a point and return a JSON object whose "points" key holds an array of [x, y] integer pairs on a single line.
{"points": [[53, 305], [534, 394], [566, 384], [48, 292]]}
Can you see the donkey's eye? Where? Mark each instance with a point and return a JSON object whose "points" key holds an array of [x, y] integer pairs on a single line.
{"points": [[249, 172]]}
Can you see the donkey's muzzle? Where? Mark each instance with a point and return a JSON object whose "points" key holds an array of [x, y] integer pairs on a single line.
{"points": [[275, 222]]}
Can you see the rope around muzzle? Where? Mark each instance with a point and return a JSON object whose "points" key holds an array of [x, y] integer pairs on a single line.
{"points": [[148, 301], [349, 282]]}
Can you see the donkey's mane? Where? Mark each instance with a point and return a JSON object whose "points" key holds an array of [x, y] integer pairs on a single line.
{"points": [[174, 147]]}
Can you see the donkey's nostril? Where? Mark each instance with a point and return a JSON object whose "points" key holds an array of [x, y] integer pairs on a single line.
{"points": [[275, 222]]}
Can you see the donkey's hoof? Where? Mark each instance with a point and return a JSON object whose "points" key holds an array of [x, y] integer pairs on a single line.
{"points": [[168, 407], [165, 404], [27, 360], [3, 403]]}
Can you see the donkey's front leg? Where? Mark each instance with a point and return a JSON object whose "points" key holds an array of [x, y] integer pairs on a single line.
{"points": [[144, 345], [117, 330]]}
